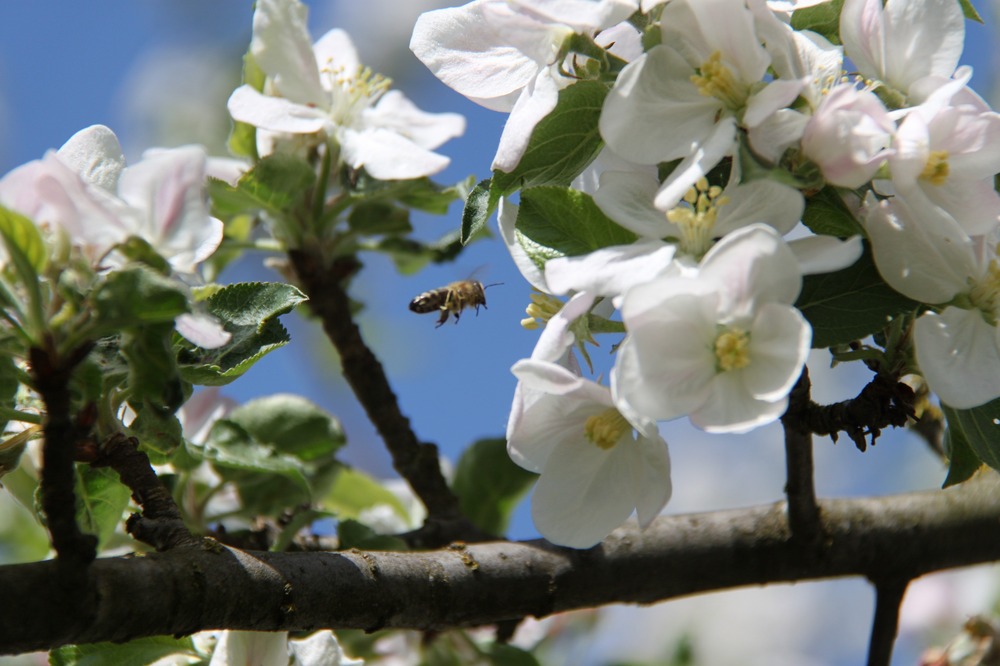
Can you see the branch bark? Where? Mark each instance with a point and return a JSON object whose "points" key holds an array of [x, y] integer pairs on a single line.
{"points": [[191, 589]]}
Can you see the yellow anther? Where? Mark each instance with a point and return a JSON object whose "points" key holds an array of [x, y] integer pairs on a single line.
{"points": [[718, 81], [732, 350], [607, 428], [936, 170], [695, 217]]}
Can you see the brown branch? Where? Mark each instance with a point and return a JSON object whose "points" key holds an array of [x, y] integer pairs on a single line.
{"points": [[416, 462], [189, 589], [885, 625], [51, 376], [803, 511], [160, 524], [883, 402]]}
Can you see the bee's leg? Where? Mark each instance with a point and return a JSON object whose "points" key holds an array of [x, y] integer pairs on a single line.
{"points": [[443, 318]]}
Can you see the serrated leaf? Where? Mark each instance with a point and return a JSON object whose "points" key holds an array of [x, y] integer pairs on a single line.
{"points": [[353, 491], [159, 434], [101, 499], [978, 427], [562, 144], [827, 215], [560, 221], [136, 652], [278, 183], [849, 304], [479, 205], [22, 233], [249, 312], [291, 424], [135, 296], [823, 18], [489, 485]]}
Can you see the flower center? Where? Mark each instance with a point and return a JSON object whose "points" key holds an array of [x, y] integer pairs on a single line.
{"points": [[353, 92], [985, 294], [717, 80], [542, 308], [732, 350], [936, 170], [695, 217], [607, 428]]}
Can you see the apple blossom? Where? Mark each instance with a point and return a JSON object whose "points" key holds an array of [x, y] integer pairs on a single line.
{"points": [[724, 346], [324, 90], [508, 55], [594, 471]]}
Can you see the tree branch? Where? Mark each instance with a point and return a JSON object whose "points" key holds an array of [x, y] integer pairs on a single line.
{"points": [[888, 598], [803, 511], [190, 589], [416, 462]]}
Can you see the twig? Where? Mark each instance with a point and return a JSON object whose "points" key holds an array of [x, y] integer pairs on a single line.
{"points": [[416, 462], [883, 402], [160, 524], [189, 589], [51, 375], [888, 598], [803, 511]]}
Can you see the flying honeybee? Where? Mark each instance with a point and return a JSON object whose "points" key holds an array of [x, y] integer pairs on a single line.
{"points": [[452, 299]]}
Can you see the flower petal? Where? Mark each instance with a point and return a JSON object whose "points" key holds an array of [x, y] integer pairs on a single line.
{"points": [[959, 355]]}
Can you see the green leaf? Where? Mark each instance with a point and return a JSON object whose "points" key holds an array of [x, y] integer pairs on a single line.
{"points": [[978, 427], [489, 485], [267, 480], [135, 296], [377, 217], [136, 652], [352, 534], [159, 434], [278, 183], [249, 311], [101, 499], [962, 460], [153, 375], [291, 424], [970, 12], [23, 234], [562, 144], [560, 221], [501, 654], [9, 383], [826, 214], [823, 18], [410, 255], [426, 195], [849, 304], [354, 491], [479, 205]]}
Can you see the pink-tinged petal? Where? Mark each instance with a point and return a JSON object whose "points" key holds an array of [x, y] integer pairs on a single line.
{"points": [[776, 134], [627, 198], [775, 96], [202, 410], [779, 345], [335, 54], [282, 48], [168, 189], [730, 409], [752, 266], [697, 28], [536, 101], [227, 169], [428, 130], [862, 30], [584, 16], [959, 355], [202, 330], [974, 204], [718, 142], [470, 49], [386, 155], [825, 254], [95, 154], [276, 114], [920, 251], [654, 113]]}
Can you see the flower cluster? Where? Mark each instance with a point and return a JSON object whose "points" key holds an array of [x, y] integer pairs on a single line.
{"points": [[720, 126]]}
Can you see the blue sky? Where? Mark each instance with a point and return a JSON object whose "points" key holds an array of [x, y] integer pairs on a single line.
{"points": [[164, 69]]}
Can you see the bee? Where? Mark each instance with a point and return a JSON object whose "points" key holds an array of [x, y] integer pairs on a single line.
{"points": [[452, 299]]}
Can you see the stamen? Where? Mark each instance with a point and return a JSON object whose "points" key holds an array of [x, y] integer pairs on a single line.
{"points": [[542, 308], [936, 170], [718, 81], [695, 217], [732, 350], [985, 294], [607, 428]]}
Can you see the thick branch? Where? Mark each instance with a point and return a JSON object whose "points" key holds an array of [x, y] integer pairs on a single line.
{"points": [[800, 488], [416, 462], [185, 590]]}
